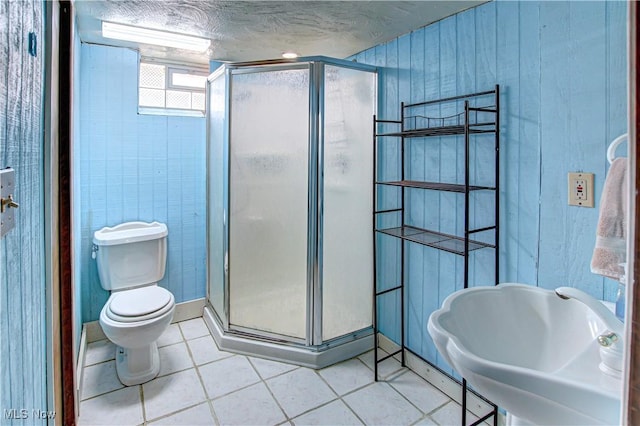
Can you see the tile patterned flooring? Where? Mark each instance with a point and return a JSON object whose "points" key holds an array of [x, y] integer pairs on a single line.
{"points": [[200, 385]]}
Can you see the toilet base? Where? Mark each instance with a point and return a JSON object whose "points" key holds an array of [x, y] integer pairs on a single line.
{"points": [[135, 366]]}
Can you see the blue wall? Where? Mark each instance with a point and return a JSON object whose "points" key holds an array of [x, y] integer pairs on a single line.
{"points": [[562, 71], [137, 167]]}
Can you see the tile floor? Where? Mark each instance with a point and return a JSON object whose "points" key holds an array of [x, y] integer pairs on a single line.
{"points": [[200, 385]]}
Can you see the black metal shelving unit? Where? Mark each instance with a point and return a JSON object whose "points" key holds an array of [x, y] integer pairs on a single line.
{"points": [[476, 117]]}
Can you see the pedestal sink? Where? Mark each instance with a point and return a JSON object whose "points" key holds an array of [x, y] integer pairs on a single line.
{"points": [[531, 352]]}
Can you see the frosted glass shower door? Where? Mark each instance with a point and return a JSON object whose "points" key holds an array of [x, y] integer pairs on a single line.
{"points": [[216, 173], [347, 241], [269, 158]]}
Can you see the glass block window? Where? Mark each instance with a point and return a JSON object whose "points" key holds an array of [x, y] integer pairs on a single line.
{"points": [[171, 89]]}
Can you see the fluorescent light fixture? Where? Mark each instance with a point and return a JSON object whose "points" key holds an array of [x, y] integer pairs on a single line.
{"points": [[160, 38], [289, 55]]}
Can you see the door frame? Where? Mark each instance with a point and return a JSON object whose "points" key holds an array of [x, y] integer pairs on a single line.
{"points": [[61, 379], [631, 391], [57, 146]]}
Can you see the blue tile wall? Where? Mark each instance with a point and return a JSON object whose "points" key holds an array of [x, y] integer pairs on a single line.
{"points": [[137, 167], [562, 71]]}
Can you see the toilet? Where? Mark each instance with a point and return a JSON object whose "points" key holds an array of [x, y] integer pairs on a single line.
{"points": [[131, 260]]}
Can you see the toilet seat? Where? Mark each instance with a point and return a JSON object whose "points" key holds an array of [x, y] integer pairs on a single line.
{"points": [[139, 304]]}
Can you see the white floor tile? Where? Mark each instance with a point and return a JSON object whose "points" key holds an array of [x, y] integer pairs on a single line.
{"points": [[174, 358], [121, 407], [335, 413], [451, 414], [299, 391], [200, 415], [250, 406], [171, 393], [347, 376], [204, 349], [427, 421], [421, 394], [247, 390], [379, 404], [100, 351], [386, 368], [100, 378], [170, 336], [268, 368], [227, 375], [194, 328]]}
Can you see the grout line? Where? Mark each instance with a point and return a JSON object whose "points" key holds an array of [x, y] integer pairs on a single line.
{"points": [[295, 367], [405, 398], [215, 398], [352, 410], [289, 420], [264, 382], [313, 409], [213, 412], [204, 388], [99, 362], [325, 382], [217, 360], [104, 393], [144, 411], [173, 413], [425, 417]]}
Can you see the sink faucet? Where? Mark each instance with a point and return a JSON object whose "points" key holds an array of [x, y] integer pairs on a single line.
{"points": [[611, 342]]}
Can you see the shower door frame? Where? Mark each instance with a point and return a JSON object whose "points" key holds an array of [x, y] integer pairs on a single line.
{"points": [[314, 323]]}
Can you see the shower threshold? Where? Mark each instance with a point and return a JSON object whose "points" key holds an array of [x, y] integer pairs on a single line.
{"points": [[329, 353]]}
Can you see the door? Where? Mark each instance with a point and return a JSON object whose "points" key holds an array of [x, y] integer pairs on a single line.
{"points": [[269, 151], [23, 329]]}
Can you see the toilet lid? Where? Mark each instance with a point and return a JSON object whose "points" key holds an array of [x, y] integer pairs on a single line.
{"points": [[139, 302]]}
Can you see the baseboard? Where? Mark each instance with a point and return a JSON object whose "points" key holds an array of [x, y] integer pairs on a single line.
{"points": [[443, 382], [184, 311], [80, 366], [94, 331], [286, 353], [189, 310]]}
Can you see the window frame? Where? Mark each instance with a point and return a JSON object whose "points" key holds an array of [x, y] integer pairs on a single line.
{"points": [[170, 69]]}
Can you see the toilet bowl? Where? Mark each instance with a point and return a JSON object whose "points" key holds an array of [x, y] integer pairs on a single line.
{"points": [[131, 260]]}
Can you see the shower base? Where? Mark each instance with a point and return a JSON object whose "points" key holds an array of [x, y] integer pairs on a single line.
{"points": [[312, 357]]}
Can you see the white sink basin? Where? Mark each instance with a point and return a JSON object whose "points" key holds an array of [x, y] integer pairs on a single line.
{"points": [[529, 351]]}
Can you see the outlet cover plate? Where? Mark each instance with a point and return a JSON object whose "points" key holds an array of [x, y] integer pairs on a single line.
{"points": [[580, 189]]}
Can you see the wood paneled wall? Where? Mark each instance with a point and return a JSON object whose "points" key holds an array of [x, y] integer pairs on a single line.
{"points": [[137, 167], [562, 71], [23, 342]]}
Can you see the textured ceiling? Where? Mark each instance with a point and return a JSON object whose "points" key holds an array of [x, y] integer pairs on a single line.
{"points": [[256, 30]]}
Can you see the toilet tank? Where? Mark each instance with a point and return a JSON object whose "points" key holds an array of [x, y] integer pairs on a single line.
{"points": [[131, 254]]}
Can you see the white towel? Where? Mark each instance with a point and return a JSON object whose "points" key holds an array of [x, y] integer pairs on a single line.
{"points": [[611, 234]]}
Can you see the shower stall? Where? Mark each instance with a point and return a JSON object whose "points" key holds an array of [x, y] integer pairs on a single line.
{"points": [[290, 196]]}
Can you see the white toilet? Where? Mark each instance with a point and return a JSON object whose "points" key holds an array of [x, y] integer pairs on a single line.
{"points": [[131, 260]]}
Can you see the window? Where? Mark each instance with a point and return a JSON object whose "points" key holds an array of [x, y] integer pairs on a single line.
{"points": [[171, 89]]}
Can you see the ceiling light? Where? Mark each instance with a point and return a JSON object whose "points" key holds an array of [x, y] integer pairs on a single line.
{"points": [[289, 55], [160, 38]]}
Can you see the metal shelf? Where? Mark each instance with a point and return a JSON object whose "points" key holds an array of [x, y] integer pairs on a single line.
{"points": [[475, 128], [473, 117], [437, 240], [437, 186]]}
